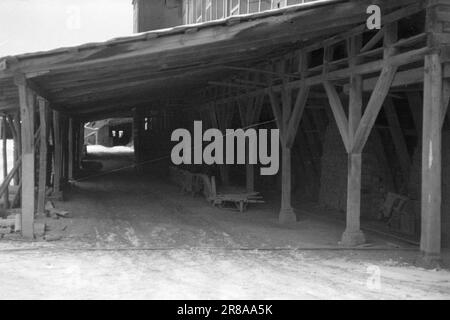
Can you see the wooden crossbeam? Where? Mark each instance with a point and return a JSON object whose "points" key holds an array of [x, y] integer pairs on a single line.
{"points": [[373, 108], [5, 184], [296, 114], [338, 113], [373, 41]]}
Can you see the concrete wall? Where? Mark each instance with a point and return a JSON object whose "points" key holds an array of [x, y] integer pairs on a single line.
{"points": [[156, 14]]}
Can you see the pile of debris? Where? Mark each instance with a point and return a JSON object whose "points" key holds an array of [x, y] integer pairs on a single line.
{"points": [[54, 213], [11, 225]]}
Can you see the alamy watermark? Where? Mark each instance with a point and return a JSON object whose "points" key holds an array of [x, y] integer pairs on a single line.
{"points": [[233, 147]]}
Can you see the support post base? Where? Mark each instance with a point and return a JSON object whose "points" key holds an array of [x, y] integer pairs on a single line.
{"points": [[352, 238], [429, 261], [287, 216]]}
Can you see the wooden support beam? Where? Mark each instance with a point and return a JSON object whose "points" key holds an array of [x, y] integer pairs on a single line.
{"points": [[373, 108], [70, 157], [353, 235], [295, 117], [5, 161], [57, 154], [288, 117], [430, 241], [80, 144], [27, 104], [224, 117], [445, 99], [137, 132], [16, 146], [338, 113], [43, 105], [5, 184], [250, 112]]}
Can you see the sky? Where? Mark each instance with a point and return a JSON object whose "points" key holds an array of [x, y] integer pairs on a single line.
{"points": [[37, 25]]}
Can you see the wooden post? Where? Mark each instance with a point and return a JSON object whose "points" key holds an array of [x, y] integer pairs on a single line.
{"points": [[16, 150], [221, 118], [17, 126], [353, 235], [287, 214], [5, 161], [430, 241], [250, 112], [70, 156], [27, 101], [57, 154], [288, 117], [42, 156], [137, 131], [81, 145], [63, 129]]}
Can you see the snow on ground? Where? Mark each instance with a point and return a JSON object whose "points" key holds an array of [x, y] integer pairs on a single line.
{"points": [[98, 149], [210, 274]]}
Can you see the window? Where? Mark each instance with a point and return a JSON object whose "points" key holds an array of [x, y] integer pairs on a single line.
{"points": [[190, 11], [198, 11], [208, 10], [221, 8], [254, 6], [234, 10]]}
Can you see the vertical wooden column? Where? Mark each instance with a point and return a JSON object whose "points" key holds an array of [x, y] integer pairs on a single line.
{"points": [[287, 214], [355, 129], [43, 153], [63, 129], [353, 235], [250, 112], [430, 242], [5, 160], [221, 118], [18, 144], [288, 117], [16, 147], [57, 156], [81, 144], [70, 156], [137, 122], [27, 101]]}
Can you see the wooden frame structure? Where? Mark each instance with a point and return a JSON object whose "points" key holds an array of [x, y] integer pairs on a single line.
{"points": [[269, 54]]}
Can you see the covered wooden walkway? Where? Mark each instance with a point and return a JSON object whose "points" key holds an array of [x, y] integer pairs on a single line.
{"points": [[289, 57]]}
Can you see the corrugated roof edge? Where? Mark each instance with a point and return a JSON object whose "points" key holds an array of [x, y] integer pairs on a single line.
{"points": [[144, 36]]}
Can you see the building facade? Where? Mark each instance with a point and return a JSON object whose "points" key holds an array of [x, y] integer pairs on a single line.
{"points": [[159, 14]]}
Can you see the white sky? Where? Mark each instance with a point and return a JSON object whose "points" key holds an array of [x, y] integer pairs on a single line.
{"points": [[36, 25]]}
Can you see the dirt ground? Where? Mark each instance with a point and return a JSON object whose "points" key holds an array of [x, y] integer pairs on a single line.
{"points": [[135, 236]]}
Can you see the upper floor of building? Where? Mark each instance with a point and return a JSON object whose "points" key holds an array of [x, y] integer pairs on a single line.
{"points": [[157, 14], [197, 11]]}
